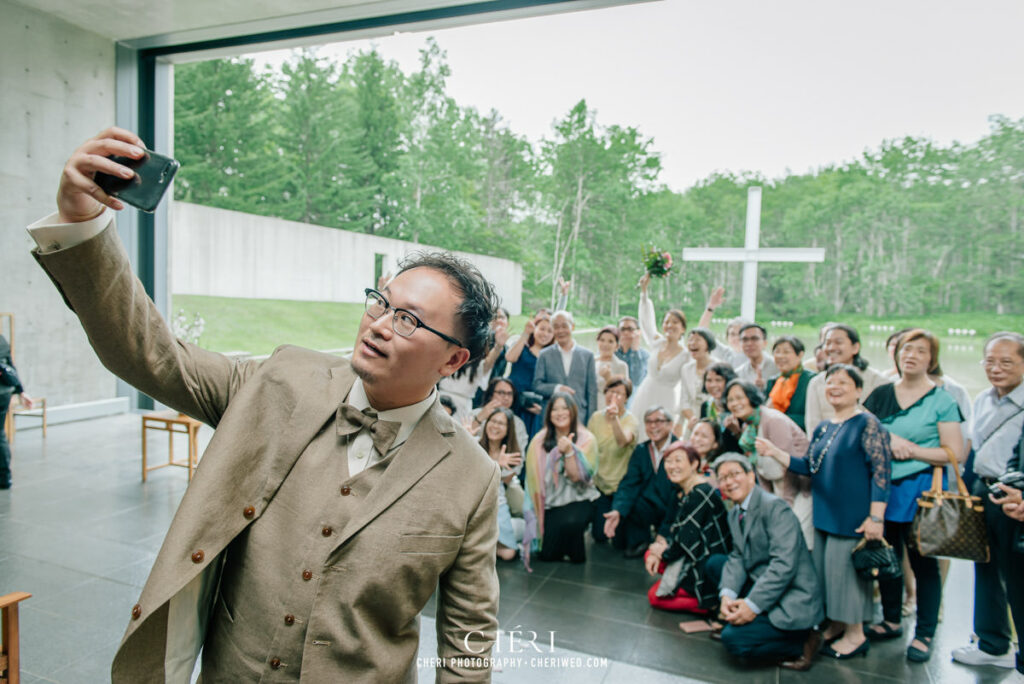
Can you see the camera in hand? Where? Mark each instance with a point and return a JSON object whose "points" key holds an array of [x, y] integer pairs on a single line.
{"points": [[1014, 479]]}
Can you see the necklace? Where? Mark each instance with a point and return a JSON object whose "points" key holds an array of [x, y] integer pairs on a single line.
{"points": [[815, 463]]}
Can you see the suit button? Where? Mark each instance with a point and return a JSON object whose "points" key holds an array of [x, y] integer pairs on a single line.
{"points": [[136, 611], [327, 531], [275, 663], [289, 619], [307, 575], [345, 490], [198, 556], [249, 512]]}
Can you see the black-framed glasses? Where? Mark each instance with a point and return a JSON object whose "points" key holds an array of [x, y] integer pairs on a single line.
{"points": [[403, 322]]}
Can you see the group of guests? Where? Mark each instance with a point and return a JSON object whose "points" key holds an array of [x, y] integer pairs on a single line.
{"points": [[746, 477]]}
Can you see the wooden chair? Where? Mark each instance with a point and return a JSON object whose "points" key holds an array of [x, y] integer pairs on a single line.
{"points": [[172, 423], [38, 410], [10, 665]]}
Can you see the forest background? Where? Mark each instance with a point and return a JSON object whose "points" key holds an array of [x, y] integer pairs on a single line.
{"points": [[912, 229]]}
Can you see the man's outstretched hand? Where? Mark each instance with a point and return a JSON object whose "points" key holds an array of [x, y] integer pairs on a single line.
{"points": [[78, 197]]}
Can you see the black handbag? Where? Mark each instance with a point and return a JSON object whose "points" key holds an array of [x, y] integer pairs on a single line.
{"points": [[875, 559]]}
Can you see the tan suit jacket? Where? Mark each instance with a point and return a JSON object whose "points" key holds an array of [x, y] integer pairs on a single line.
{"points": [[430, 522]]}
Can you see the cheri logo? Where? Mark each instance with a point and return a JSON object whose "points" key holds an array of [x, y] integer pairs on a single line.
{"points": [[515, 640]]}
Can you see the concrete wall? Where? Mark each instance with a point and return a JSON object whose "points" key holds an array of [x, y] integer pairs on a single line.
{"points": [[231, 254], [58, 90]]}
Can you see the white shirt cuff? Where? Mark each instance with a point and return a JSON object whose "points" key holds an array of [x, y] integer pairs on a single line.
{"points": [[51, 235]]}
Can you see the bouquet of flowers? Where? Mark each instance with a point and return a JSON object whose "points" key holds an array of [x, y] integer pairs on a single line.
{"points": [[657, 262]]}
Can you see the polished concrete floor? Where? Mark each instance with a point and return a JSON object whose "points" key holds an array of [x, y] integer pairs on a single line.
{"points": [[79, 531]]}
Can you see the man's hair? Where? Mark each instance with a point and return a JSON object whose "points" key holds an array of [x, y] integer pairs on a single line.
{"points": [[479, 301], [657, 409], [732, 457], [747, 326], [1017, 338], [737, 323], [631, 319], [562, 313]]}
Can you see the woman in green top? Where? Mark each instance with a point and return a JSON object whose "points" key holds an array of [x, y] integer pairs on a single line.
{"points": [[924, 423], [788, 392]]}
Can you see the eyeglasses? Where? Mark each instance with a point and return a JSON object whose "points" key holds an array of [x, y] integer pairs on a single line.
{"points": [[403, 322], [655, 421], [731, 476], [751, 339], [1002, 364], [628, 329], [503, 393]]}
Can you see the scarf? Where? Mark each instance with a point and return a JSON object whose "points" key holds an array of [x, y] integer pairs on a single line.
{"points": [[784, 389], [749, 435], [541, 468]]}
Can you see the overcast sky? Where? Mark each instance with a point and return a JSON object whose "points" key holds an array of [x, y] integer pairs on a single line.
{"points": [[745, 85]]}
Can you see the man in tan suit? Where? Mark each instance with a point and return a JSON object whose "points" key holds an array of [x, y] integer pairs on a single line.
{"points": [[335, 496]]}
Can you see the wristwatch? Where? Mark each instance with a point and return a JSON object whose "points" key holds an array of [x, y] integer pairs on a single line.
{"points": [[875, 518]]}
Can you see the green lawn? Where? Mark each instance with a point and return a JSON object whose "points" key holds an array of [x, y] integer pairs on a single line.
{"points": [[258, 326]]}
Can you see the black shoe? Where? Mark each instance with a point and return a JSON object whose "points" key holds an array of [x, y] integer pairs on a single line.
{"points": [[886, 633], [636, 551], [916, 655], [5, 485], [861, 650]]}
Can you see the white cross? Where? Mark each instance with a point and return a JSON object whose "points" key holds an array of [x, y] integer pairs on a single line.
{"points": [[751, 253]]}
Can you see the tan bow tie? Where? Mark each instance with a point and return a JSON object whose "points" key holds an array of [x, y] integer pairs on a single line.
{"points": [[352, 420]]}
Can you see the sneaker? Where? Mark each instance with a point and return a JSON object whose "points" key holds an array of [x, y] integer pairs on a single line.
{"points": [[972, 655]]}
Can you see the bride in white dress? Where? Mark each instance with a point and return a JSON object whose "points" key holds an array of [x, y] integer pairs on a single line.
{"points": [[668, 356]]}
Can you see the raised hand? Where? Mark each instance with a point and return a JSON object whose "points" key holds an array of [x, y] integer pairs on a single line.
{"points": [[564, 285], [716, 298], [565, 443], [644, 282], [528, 328], [78, 196]]}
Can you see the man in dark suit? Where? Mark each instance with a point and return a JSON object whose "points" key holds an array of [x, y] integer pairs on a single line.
{"points": [[645, 492], [10, 385], [769, 589], [567, 367]]}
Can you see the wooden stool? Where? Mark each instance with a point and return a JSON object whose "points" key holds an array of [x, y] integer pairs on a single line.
{"points": [[38, 410], [10, 667], [172, 423]]}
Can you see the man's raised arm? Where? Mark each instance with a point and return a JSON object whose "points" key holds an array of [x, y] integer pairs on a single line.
{"points": [[81, 252]]}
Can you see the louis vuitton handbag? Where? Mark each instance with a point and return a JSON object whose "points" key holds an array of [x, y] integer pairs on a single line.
{"points": [[950, 524]]}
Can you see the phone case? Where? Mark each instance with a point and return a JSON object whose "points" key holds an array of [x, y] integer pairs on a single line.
{"points": [[153, 175]]}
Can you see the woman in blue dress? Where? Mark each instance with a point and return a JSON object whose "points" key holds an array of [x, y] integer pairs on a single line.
{"points": [[924, 422], [848, 462], [522, 356]]}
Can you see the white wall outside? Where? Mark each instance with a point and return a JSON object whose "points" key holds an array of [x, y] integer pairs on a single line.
{"points": [[231, 254]]}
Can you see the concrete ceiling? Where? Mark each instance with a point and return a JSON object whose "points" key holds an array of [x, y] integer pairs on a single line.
{"points": [[163, 23]]}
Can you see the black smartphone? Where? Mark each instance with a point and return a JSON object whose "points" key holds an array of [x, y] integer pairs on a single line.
{"points": [[144, 190]]}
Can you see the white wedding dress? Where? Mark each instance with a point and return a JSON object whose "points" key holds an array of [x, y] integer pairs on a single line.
{"points": [[661, 385]]}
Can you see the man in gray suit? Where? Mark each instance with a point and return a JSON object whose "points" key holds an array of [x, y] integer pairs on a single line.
{"points": [[770, 595], [567, 367]]}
